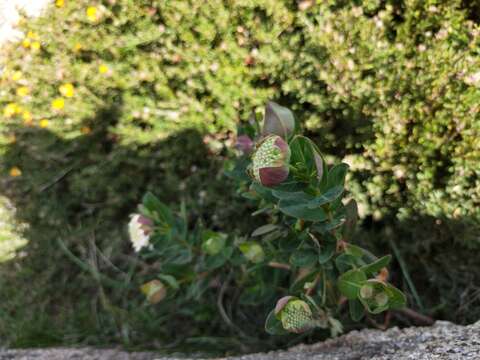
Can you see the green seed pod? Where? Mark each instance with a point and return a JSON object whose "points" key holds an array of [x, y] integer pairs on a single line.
{"points": [[295, 314]]}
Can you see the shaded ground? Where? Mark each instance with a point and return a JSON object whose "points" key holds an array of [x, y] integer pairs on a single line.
{"points": [[442, 341]]}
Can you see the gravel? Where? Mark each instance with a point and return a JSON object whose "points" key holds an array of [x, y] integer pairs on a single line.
{"points": [[442, 341]]}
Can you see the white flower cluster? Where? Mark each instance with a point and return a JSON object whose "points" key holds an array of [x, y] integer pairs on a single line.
{"points": [[139, 229]]}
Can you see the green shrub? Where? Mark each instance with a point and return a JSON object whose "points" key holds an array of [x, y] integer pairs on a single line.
{"points": [[295, 272], [392, 84]]}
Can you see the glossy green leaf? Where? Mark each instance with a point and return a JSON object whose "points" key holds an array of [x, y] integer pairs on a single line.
{"points": [[303, 258], [356, 309], [351, 213], [300, 210], [170, 280], [377, 265], [336, 175], [350, 283], [327, 197], [327, 251], [345, 262], [264, 229]]}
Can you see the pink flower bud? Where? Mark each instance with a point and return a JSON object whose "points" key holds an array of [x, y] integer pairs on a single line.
{"points": [[270, 162], [244, 144]]}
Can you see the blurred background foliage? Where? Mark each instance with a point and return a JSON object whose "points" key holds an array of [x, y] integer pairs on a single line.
{"points": [[104, 100]]}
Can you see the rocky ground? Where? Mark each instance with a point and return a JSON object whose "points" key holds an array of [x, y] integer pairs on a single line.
{"points": [[441, 341]]}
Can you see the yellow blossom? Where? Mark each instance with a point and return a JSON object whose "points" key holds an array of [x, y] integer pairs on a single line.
{"points": [[15, 172], [92, 13], [17, 75], [32, 35], [26, 43], [59, 3], [36, 45], [66, 90], [58, 103], [11, 110], [23, 91], [44, 123], [103, 69], [77, 47], [27, 117]]}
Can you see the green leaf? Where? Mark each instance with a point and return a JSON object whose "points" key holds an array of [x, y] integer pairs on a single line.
{"points": [[327, 251], [397, 299], [328, 225], [273, 326], [264, 229], [300, 210], [377, 265], [304, 153], [263, 191], [327, 197], [357, 311], [345, 262], [170, 280], [295, 195], [350, 283], [298, 285], [303, 258], [351, 212], [336, 175], [216, 261], [156, 207], [354, 250]]}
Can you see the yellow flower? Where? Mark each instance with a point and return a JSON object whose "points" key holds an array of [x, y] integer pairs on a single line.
{"points": [[77, 47], [36, 45], [23, 91], [15, 172], [27, 117], [103, 69], [11, 110], [32, 35], [92, 13], [66, 90], [59, 3], [26, 43], [44, 123], [17, 75], [58, 103]]}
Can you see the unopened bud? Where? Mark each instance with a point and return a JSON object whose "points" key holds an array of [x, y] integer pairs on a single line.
{"points": [[270, 162]]}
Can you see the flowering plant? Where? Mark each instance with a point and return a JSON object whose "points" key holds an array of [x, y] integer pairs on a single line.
{"points": [[301, 263]]}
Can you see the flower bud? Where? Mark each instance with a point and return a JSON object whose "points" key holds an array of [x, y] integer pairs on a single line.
{"points": [[140, 228], [270, 162], [366, 291], [252, 251], [213, 242], [295, 314], [154, 290], [278, 121], [244, 144]]}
